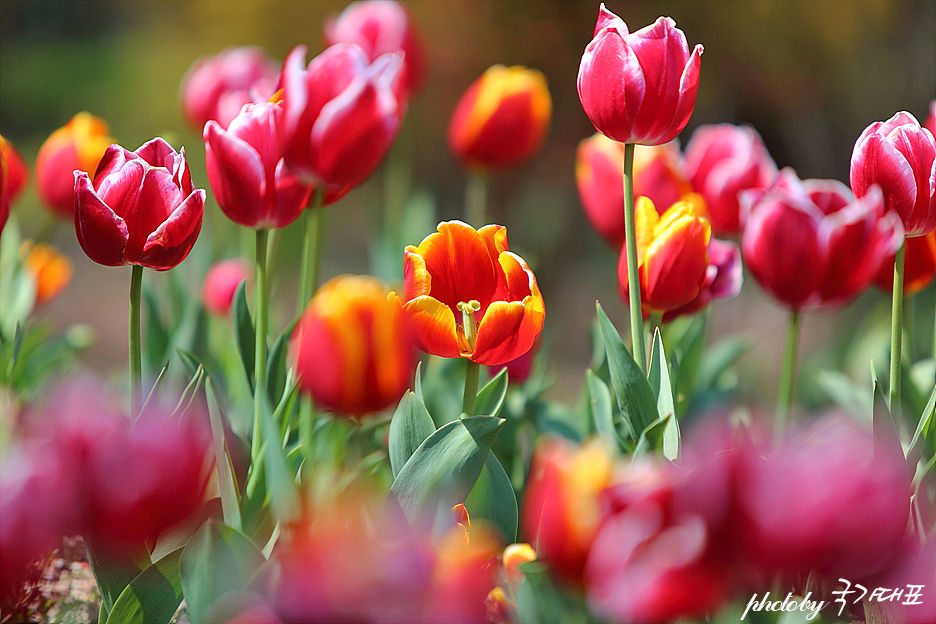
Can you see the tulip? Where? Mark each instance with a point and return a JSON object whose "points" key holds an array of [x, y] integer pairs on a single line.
{"points": [[247, 173], [379, 27], [930, 123], [899, 156], [50, 268], [341, 114], [672, 255], [723, 160], [919, 265], [141, 208], [221, 284], [468, 275], [599, 171], [13, 177], [638, 87], [502, 118], [723, 279], [217, 87], [518, 369], [79, 145], [351, 348]]}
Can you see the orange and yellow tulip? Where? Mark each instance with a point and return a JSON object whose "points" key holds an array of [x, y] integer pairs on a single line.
{"points": [[466, 295], [51, 269]]}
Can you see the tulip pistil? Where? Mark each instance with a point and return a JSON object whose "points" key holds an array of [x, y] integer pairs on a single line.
{"points": [[469, 325]]}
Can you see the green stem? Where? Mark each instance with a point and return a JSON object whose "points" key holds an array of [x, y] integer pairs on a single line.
{"points": [[136, 358], [260, 351], [311, 250], [472, 372], [893, 400], [785, 393], [476, 200], [633, 277]]}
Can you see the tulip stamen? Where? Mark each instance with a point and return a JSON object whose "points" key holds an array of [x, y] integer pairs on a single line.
{"points": [[469, 325]]}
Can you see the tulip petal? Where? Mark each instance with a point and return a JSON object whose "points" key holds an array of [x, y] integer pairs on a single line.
{"points": [[416, 279], [663, 53], [675, 264], [102, 234], [433, 326], [508, 330], [876, 161], [519, 281], [174, 238], [236, 175], [158, 153], [156, 197], [611, 85]]}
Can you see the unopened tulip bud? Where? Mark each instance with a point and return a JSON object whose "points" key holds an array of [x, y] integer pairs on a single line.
{"points": [[51, 269]]}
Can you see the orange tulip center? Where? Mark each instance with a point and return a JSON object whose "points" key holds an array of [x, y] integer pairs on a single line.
{"points": [[469, 326]]}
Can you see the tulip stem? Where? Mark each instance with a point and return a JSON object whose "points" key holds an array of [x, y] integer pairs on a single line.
{"points": [[893, 399], [785, 393], [476, 200], [260, 357], [311, 250], [633, 277], [136, 358], [472, 373]]}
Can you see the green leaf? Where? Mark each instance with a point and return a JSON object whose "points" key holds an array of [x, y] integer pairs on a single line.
{"points": [[883, 425], [599, 405], [153, 596], [493, 499], [631, 388], [839, 387], [658, 376], [718, 359], [442, 471], [276, 363], [915, 450], [541, 601], [410, 426], [115, 566], [281, 485], [492, 395], [217, 560], [244, 331], [157, 336], [417, 387], [227, 485], [671, 439]]}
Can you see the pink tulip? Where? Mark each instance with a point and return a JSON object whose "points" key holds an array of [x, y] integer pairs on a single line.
{"points": [[899, 156], [341, 114], [247, 172], [379, 27], [217, 87], [930, 123], [723, 160], [221, 284], [811, 244], [638, 87]]}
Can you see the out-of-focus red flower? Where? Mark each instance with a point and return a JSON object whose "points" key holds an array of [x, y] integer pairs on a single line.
{"points": [[930, 123], [811, 244], [638, 87], [468, 275], [721, 161], [899, 156], [502, 119], [831, 499], [519, 368], [916, 565], [672, 255], [379, 27], [141, 208], [247, 173], [341, 114], [51, 269], [217, 87], [352, 349], [561, 511], [658, 173], [13, 176], [79, 145], [724, 277], [221, 283], [919, 265]]}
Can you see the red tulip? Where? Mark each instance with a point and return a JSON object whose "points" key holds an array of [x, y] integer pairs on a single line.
{"points": [[221, 284], [811, 244], [341, 114], [78, 145], [13, 176], [899, 156], [379, 27], [723, 279], [501, 120], [351, 349], [468, 275], [930, 123], [141, 209], [247, 173], [919, 265], [638, 87], [723, 160], [217, 87]]}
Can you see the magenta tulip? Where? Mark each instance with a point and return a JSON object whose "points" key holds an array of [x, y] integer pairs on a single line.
{"points": [[341, 114], [723, 160], [638, 87], [900, 156], [247, 173], [141, 208], [811, 244]]}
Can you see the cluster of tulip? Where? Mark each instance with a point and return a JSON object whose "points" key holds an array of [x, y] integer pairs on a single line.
{"points": [[281, 489]]}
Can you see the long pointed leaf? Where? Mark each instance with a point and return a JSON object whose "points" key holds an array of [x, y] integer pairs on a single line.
{"points": [[493, 499], [491, 396], [153, 596], [599, 405], [244, 331], [410, 426], [230, 501], [631, 388]]}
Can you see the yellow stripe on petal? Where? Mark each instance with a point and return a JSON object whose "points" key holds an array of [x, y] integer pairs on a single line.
{"points": [[433, 326]]}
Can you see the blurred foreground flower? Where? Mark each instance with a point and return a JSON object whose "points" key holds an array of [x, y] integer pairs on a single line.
{"points": [[13, 177], [51, 269], [216, 87], [247, 173], [468, 275], [919, 265], [79, 145], [502, 119], [141, 209], [379, 27], [638, 87], [351, 348], [811, 244], [221, 284]]}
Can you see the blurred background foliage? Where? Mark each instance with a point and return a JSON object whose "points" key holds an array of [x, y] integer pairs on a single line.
{"points": [[809, 75]]}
